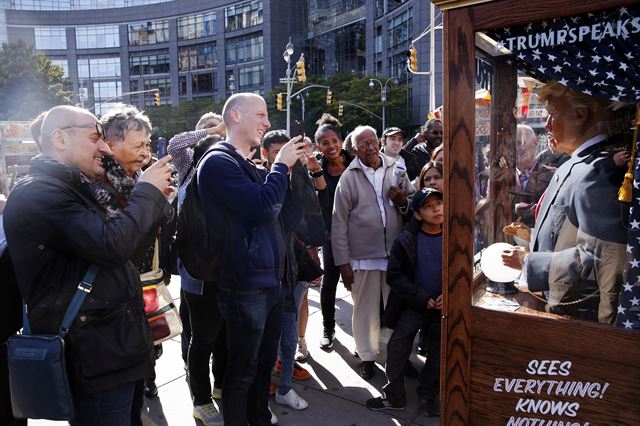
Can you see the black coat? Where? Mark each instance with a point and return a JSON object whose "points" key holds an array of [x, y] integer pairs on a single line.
{"points": [[55, 230], [416, 155], [401, 274]]}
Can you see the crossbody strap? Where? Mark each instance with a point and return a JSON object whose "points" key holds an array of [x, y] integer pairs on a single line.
{"points": [[84, 288]]}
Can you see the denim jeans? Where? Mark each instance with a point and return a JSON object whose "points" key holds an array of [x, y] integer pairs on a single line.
{"points": [[107, 408], [289, 339], [328, 290], [399, 349], [206, 323], [254, 323]]}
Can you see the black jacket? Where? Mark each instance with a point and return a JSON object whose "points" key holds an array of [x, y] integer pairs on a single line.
{"points": [[401, 272], [327, 195], [416, 155], [55, 230]]}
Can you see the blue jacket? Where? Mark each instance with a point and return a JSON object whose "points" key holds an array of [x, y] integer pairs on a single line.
{"points": [[245, 203]]}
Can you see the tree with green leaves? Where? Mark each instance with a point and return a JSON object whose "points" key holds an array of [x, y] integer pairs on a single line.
{"points": [[345, 87], [29, 83]]}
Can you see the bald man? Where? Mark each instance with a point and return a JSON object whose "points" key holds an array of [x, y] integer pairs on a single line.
{"points": [[243, 206], [56, 231]]}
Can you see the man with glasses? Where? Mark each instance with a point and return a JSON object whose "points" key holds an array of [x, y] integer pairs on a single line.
{"points": [[57, 230], [417, 152], [367, 217]]}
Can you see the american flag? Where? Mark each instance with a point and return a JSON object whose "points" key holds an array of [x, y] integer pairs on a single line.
{"points": [[597, 53], [629, 303]]}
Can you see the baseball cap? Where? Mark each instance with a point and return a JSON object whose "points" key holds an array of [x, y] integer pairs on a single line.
{"points": [[392, 131], [421, 196]]}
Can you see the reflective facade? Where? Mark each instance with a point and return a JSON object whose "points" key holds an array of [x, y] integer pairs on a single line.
{"points": [[190, 49]]}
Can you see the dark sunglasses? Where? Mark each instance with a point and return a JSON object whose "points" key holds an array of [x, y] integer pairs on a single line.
{"points": [[97, 124]]}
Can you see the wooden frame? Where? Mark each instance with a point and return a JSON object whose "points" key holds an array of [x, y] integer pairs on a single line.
{"points": [[472, 335]]}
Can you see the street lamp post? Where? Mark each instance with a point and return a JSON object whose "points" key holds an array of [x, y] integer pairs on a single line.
{"points": [[383, 94], [289, 79]]}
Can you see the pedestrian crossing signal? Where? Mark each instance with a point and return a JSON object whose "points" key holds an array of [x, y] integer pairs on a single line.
{"points": [[156, 98]]}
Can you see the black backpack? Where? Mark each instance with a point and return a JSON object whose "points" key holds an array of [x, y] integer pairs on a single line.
{"points": [[200, 244]]}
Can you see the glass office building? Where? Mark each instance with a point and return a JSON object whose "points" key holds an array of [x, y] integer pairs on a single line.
{"points": [[190, 49]]}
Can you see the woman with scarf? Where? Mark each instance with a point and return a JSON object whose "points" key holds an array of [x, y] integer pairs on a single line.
{"points": [[127, 132]]}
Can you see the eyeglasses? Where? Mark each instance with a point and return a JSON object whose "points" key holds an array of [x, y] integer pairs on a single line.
{"points": [[365, 146], [97, 124]]}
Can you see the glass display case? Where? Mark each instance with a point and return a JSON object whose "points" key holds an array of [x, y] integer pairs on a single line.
{"points": [[541, 259]]}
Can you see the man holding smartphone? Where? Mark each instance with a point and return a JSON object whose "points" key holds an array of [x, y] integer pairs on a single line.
{"points": [[245, 204]]}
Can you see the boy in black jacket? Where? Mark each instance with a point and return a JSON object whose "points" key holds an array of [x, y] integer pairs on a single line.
{"points": [[415, 277]]}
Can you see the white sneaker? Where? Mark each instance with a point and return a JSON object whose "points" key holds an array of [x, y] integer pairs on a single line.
{"points": [[291, 399], [208, 414], [274, 419], [302, 353]]}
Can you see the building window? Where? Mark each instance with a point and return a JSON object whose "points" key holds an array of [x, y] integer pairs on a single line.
{"points": [[246, 48], [100, 66], [97, 36], [398, 66], [339, 51], [378, 40], [62, 63], [50, 38], [77, 4], [392, 4], [182, 86], [163, 85], [243, 15], [150, 62], [251, 78], [201, 56], [194, 26], [151, 32], [202, 84], [104, 91], [400, 28]]}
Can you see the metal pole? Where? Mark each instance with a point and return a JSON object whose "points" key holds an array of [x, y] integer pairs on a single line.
{"points": [[289, 86], [383, 98], [432, 59], [302, 100]]}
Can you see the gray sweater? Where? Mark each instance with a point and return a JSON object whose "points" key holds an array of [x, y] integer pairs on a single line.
{"points": [[357, 230]]}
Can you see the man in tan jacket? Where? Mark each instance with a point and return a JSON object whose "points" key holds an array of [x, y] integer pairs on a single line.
{"points": [[371, 197]]}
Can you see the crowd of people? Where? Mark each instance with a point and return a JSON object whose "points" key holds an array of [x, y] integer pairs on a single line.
{"points": [[252, 207], [97, 195]]}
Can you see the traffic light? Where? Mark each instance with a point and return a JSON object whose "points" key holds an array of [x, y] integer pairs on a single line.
{"points": [[329, 96], [412, 59], [340, 110], [279, 102], [156, 98], [300, 71]]}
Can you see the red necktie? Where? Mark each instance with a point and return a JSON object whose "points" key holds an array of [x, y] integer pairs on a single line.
{"points": [[535, 217]]}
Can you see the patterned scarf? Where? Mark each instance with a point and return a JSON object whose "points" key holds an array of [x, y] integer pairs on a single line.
{"points": [[113, 191]]}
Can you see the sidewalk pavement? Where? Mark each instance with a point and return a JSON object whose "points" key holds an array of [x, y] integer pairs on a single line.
{"points": [[336, 393]]}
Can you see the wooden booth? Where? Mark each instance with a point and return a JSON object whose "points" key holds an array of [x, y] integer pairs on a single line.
{"points": [[508, 358]]}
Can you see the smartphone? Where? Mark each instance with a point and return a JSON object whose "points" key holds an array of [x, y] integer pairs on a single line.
{"points": [[298, 129]]}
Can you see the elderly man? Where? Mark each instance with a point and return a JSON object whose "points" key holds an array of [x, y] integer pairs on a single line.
{"points": [[367, 217], [56, 231], [243, 205], [417, 152], [577, 250]]}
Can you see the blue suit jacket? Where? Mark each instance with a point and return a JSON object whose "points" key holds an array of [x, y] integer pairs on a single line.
{"points": [[579, 234]]}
